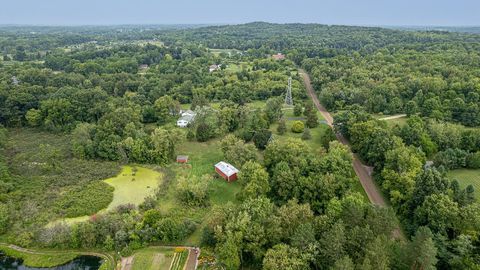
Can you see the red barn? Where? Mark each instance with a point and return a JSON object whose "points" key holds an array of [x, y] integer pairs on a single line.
{"points": [[226, 171], [182, 159]]}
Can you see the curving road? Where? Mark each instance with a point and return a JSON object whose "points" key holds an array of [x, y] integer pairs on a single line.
{"points": [[362, 171]]}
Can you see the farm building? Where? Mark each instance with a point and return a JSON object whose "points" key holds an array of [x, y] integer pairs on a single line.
{"points": [[226, 171], [182, 159], [213, 68], [278, 56], [186, 118]]}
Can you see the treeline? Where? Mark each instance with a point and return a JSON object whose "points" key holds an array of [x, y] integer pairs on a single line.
{"points": [[5, 185], [88, 84], [439, 81], [419, 191]]}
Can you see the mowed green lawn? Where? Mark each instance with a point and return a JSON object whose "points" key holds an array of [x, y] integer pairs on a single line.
{"points": [[316, 133], [202, 158], [467, 177], [152, 258]]}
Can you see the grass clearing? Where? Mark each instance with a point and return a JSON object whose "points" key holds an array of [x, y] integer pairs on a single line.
{"points": [[316, 133], [202, 158], [131, 186], [44, 172], [40, 260], [153, 258], [467, 177]]}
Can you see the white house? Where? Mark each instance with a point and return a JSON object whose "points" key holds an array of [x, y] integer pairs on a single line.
{"points": [[213, 68], [186, 118]]}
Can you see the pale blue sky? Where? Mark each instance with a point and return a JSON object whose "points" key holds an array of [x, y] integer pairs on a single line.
{"points": [[352, 12]]}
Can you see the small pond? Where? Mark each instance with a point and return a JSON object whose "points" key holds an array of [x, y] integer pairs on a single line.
{"points": [[79, 263]]}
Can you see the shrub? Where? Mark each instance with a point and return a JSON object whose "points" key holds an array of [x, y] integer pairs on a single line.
{"points": [[193, 191], [327, 137], [473, 160], [451, 158], [261, 137], [86, 200], [204, 132], [282, 126], [312, 119], [306, 134], [297, 110], [237, 151], [298, 127]]}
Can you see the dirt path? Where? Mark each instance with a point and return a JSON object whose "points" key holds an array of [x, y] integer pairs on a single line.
{"points": [[126, 263], [362, 171], [393, 117], [192, 259]]}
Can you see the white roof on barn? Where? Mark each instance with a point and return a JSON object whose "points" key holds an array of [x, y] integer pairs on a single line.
{"points": [[226, 168]]}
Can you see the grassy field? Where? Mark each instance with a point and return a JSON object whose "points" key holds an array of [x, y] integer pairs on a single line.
{"points": [[467, 177], [227, 51], [153, 258], [129, 188], [202, 158], [316, 133], [45, 173], [40, 260]]}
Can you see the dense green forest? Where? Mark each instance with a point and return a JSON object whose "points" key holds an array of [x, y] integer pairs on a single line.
{"points": [[78, 103]]}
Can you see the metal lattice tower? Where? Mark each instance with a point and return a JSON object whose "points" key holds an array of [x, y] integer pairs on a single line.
{"points": [[288, 96]]}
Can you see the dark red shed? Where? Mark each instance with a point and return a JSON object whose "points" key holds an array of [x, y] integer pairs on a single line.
{"points": [[226, 171]]}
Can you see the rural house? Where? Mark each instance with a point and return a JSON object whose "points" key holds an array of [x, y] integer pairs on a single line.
{"points": [[213, 68], [278, 56], [186, 118], [226, 171]]}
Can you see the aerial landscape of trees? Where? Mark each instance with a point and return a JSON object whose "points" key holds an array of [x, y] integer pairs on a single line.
{"points": [[77, 104]]}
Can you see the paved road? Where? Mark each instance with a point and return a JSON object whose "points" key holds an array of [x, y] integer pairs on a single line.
{"points": [[362, 171]]}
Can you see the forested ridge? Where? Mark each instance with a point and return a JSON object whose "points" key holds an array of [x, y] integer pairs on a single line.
{"points": [[78, 103]]}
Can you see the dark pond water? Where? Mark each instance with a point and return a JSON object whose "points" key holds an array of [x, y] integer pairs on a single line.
{"points": [[80, 263]]}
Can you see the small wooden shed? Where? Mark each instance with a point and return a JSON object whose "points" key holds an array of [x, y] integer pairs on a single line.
{"points": [[226, 171], [182, 159]]}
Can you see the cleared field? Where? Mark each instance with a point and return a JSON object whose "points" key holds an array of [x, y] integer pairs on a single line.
{"points": [[131, 186], [467, 177], [153, 258], [316, 133]]}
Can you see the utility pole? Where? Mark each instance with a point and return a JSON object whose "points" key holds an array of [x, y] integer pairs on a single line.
{"points": [[288, 96]]}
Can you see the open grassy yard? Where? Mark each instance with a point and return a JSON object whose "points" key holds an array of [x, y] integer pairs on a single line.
{"points": [[316, 133], [152, 258], [467, 177], [202, 158]]}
